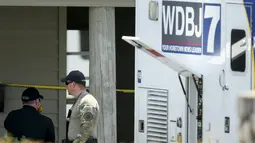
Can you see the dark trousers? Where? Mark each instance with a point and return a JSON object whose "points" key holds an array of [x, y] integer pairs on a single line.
{"points": [[90, 140]]}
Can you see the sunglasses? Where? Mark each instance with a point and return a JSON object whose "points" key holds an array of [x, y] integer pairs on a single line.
{"points": [[68, 82]]}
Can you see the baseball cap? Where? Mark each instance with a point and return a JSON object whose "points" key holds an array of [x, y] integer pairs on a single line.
{"points": [[75, 76], [30, 94]]}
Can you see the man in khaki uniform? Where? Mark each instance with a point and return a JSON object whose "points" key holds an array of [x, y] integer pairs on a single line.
{"points": [[84, 112]]}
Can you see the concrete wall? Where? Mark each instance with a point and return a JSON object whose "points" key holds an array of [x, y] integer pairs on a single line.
{"points": [[32, 43]]}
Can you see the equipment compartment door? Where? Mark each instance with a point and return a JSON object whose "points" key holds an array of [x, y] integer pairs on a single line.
{"points": [[153, 115], [238, 71]]}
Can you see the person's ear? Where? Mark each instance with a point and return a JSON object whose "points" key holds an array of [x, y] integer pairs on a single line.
{"points": [[36, 102]]}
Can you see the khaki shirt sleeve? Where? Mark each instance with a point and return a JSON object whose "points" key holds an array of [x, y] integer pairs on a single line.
{"points": [[88, 116]]}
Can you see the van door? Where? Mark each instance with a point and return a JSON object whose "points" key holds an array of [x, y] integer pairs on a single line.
{"points": [[238, 71]]}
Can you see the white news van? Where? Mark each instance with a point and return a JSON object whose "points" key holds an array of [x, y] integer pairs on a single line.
{"points": [[192, 59]]}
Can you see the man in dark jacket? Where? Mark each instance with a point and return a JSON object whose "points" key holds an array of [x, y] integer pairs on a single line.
{"points": [[28, 122]]}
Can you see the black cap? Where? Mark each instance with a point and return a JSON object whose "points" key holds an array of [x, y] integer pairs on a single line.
{"points": [[30, 94], [75, 76]]}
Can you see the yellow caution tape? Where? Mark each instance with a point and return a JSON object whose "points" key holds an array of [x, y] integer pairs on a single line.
{"points": [[56, 87], [36, 86], [125, 90]]}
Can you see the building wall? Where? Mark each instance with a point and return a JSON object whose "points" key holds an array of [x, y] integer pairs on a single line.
{"points": [[32, 53]]}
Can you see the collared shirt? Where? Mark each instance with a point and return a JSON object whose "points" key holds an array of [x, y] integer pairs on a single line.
{"points": [[28, 122], [85, 112]]}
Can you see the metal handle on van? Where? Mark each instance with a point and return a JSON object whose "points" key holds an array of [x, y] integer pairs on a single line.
{"points": [[179, 122], [223, 86], [141, 126]]}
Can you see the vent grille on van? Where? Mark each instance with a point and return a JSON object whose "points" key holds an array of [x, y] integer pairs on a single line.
{"points": [[157, 114]]}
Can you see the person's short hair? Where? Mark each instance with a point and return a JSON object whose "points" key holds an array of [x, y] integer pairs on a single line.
{"points": [[28, 102], [83, 83]]}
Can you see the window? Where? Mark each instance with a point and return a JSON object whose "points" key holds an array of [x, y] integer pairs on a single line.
{"points": [[84, 44], [78, 52], [238, 50], [78, 43]]}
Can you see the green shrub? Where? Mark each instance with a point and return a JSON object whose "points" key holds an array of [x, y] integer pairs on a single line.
{"points": [[8, 139]]}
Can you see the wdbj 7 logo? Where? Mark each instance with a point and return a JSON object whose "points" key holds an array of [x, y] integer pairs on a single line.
{"points": [[182, 28]]}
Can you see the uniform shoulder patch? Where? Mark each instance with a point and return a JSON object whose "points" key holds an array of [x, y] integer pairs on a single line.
{"points": [[88, 116]]}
